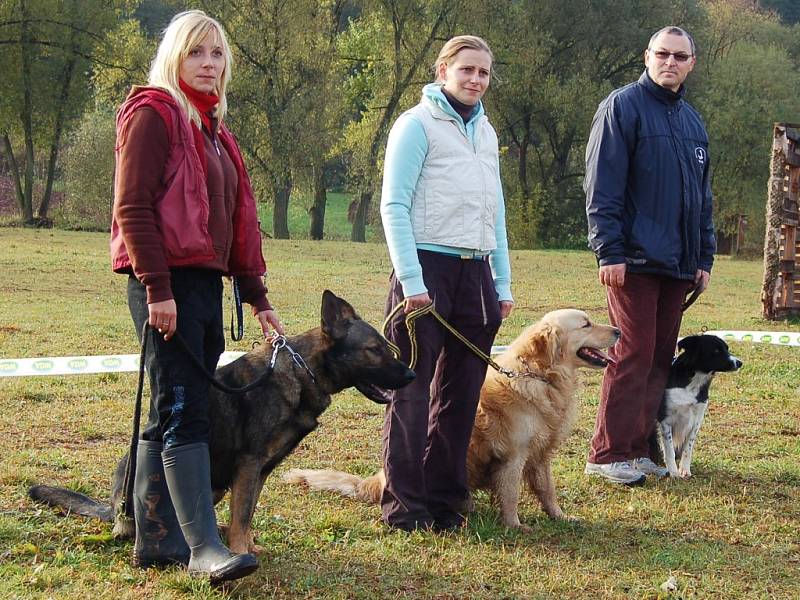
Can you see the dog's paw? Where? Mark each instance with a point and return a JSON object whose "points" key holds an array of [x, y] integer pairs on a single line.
{"points": [[255, 549], [684, 473], [522, 528], [513, 523]]}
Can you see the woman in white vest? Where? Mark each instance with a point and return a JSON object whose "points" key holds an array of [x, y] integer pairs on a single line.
{"points": [[444, 219]]}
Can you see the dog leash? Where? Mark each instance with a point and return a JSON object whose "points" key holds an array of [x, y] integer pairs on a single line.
{"points": [[130, 469], [236, 309], [278, 343], [412, 337], [695, 294]]}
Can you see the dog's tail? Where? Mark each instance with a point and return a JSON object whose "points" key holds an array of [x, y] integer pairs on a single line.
{"points": [[352, 486], [73, 502]]}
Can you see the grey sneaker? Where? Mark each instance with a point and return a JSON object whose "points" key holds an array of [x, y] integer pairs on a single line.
{"points": [[616, 472], [648, 467]]}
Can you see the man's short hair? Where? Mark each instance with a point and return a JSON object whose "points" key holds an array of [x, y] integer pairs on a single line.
{"points": [[673, 30]]}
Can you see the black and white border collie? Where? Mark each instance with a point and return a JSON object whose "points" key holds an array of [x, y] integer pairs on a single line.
{"points": [[686, 398]]}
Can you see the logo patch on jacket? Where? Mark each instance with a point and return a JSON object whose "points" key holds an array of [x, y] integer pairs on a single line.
{"points": [[700, 154]]}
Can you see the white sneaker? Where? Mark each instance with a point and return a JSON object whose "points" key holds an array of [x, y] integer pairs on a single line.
{"points": [[616, 472], [648, 467]]}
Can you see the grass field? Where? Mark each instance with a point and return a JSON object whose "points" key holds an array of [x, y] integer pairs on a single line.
{"points": [[732, 531]]}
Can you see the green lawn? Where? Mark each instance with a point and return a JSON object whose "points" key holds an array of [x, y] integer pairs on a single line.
{"points": [[729, 532]]}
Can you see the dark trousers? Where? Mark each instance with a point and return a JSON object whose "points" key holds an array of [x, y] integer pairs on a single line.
{"points": [[428, 424], [647, 310], [179, 392]]}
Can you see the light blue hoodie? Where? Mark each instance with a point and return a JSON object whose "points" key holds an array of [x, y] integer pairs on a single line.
{"points": [[406, 150]]}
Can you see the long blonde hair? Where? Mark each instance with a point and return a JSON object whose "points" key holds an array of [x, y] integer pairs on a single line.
{"points": [[455, 45], [183, 34]]}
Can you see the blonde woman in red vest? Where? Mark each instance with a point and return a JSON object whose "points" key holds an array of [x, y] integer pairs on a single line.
{"points": [[444, 218], [184, 215]]}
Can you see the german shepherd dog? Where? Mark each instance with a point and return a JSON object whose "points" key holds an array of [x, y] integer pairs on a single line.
{"points": [[252, 433]]}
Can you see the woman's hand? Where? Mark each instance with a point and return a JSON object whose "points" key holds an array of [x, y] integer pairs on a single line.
{"points": [[414, 302], [164, 317], [268, 319], [506, 306]]}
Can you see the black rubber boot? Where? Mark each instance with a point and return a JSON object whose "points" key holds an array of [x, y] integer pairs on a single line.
{"points": [[189, 478], [159, 540]]}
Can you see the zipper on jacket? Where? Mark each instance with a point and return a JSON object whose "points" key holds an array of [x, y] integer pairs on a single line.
{"points": [[483, 193], [212, 133]]}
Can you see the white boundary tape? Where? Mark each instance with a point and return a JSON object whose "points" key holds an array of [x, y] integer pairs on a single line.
{"points": [[779, 338], [84, 365], [126, 363], [79, 365]]}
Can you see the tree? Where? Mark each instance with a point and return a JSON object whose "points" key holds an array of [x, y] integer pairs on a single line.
{"points": [[324, 110], [50, 46], [390, 45], [750, 82], [88, 166], [556, 60], [122, 62], [280, 77]]}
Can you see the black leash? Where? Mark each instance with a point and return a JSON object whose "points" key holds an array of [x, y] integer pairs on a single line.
{"points": [[237, 310], [218, 384], [695, 294], [130, 469], [278, 343]]}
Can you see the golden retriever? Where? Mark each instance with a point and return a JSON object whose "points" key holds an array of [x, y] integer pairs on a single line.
{"points": [[521, 421]]}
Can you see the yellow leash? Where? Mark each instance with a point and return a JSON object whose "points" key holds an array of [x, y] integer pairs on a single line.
{"points": [[412, 338]]}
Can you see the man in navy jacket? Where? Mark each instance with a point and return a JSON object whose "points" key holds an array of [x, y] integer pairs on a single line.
{"points": [[649, 207]]}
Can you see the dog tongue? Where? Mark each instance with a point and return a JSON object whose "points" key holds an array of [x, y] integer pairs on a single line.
{"points": [[595, 354], [607, 358]]}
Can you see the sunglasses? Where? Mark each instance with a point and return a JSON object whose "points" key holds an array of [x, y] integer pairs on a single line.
{"points": [[664, 55]]}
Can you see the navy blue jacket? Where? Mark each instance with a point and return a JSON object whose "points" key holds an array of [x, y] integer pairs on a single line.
{"points": [[647, 184]]}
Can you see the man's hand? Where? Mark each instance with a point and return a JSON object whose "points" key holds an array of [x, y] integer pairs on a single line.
{"points": [[268, 319], [612, 275], [701, 279], [506, 306], [164, 317]]}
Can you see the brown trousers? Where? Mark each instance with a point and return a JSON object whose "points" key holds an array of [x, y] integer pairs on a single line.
{"points": [[647, 310], [428, 424]]}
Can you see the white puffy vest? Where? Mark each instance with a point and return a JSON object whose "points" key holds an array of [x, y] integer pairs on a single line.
{"points": [[455, 200]]}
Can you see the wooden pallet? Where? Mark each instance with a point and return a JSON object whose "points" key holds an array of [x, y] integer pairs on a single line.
{"points": [[780, 295]]}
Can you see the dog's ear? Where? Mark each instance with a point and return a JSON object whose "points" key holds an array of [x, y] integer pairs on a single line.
{"points": [[545, 345], [337, 314], [689, 346], [689, 342]]}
